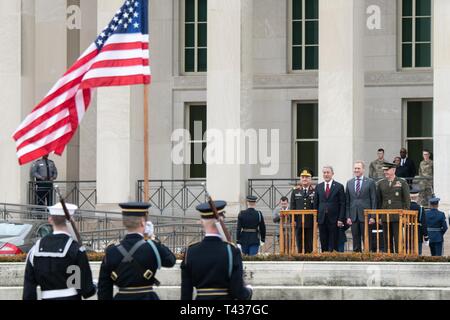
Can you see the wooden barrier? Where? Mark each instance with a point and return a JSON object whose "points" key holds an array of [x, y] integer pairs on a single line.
{"points": [[288, 243], [408, 230]]}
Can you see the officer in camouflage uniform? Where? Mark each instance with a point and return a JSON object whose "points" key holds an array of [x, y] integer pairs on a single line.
{"points": [[426, 181], [392, 193], [376, 167]]}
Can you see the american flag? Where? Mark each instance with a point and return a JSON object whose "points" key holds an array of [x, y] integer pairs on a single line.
{"points": [[118, 57]]}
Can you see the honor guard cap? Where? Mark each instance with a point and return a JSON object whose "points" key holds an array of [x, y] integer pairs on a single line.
{"points": [[414, 190], [206, 210], [306, 172], [251, 198], [434, 201], [388, 165], [135, 209], [57, 209]]}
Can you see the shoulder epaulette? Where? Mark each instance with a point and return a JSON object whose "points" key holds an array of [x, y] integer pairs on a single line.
{"points": [[193, 244], [233, 244]]}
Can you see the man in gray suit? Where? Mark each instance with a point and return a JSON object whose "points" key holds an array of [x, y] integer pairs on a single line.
{"points": [[360, 194]]}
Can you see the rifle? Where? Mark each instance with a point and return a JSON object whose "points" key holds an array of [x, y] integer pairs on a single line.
{"points": [[219, 224], [67, 214]]}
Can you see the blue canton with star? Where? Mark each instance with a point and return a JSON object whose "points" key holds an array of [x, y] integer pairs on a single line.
{"points": [[130, 18]]}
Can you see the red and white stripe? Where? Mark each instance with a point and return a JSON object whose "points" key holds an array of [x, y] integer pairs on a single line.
{"points": [[123, 60]]}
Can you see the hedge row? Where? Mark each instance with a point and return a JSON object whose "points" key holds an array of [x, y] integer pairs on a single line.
{"points": [[328, 256]]}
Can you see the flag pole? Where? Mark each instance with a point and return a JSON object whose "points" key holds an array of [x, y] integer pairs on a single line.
{"points": [[146, 144]]}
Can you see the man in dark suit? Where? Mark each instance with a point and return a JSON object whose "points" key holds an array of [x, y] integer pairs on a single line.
{"points": [[302, 198], [360, 194], [329, 200], [407, 168]]}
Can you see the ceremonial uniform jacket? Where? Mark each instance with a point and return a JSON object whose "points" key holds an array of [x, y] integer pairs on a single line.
{"points": [[436, 225], [394, 195], [303, 201], [59, 265], [251, 227], [214, 268], [134, 269]]}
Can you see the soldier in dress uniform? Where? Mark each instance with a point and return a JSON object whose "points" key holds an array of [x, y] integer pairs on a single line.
{"points": [[58, 264], [421, 217], [436, 226], [426, 175], [302, 198], [212, 266], [376, 166], [392, 193], [132, 264], [251, 229]]}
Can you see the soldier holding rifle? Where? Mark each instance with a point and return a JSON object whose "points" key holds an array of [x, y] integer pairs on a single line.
{"points": [[213, 266], [58, 263], [133, 263]]}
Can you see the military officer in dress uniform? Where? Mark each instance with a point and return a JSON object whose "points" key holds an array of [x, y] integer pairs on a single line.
{"points": [[132, 264], [58, 264], [421, 217], [251, 229], [392, 193], [212, 266], [436, 226], [302, 198]]}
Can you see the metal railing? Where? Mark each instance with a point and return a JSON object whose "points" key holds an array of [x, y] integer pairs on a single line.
{"points": [[173, 195], [81, 193], [269, 191]]}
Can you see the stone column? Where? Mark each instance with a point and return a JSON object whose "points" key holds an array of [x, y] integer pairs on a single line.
{"points": [[119, 132], [12, 188], [50, 57], [88, 127], [229, 87], [441, 102], [341, 85]]}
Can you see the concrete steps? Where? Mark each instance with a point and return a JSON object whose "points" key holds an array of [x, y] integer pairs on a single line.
{"points": [[301, 280]]}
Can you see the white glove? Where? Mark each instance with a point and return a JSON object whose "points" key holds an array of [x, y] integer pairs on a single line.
{"points": [[250, 288], [261, 243], [239, 247], [149, 229]]}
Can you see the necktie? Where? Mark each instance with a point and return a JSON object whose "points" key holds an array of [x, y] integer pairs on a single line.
{"points": [[327, 190], [48, 170], [305, 192], [358, 185]]}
